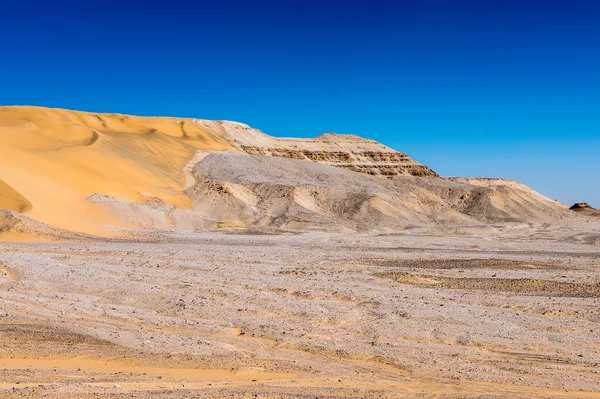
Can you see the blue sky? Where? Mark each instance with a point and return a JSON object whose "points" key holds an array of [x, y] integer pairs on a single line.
{"points": [[471, 88]]}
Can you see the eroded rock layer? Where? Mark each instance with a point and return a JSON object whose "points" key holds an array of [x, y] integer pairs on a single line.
{"points": [[343, 151]]}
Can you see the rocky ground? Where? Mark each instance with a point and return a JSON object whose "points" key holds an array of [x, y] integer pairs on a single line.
{"points": [[505, 311]]}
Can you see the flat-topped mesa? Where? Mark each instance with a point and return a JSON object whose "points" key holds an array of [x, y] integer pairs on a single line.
{"points": [[581, 205], [346, 151], [584, 209]]}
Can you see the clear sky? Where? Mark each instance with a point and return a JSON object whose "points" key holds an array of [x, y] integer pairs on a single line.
{"points": [[471, 88]]}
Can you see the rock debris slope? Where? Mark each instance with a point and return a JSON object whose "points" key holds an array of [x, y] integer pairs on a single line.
{"points": [[263, 190], [101, 173]]}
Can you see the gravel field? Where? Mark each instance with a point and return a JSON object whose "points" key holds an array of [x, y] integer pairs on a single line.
{"points": [[504, 311]]}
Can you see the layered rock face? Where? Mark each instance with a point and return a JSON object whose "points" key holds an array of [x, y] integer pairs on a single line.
{"points": [[345, 151]]}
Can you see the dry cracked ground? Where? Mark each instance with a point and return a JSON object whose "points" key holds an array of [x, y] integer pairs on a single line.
{"points": [[504, 311]]}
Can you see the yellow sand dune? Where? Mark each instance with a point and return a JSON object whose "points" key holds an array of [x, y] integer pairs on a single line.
{"points": [[51, 160], [12, 199]]}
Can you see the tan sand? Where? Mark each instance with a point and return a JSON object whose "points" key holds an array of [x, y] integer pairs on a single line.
{"points": [[53, 159]]}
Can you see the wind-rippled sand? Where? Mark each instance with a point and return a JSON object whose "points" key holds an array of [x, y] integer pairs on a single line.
{"points": [[505, 311]]}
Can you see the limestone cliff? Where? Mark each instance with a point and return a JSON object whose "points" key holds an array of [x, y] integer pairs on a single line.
{"points": [[345, 151]]}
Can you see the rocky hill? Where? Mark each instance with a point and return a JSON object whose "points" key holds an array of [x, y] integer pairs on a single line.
{"points": [[102, 173], [262, 190], [343, 151], [584, 209]]}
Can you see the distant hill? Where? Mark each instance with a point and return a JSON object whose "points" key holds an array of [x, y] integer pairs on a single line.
{"points": [[584, 209], [101, 173]]}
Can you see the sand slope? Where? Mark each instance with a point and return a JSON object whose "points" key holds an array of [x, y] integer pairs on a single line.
{"points": [[17, 227], [53, 159], [12, 199]]}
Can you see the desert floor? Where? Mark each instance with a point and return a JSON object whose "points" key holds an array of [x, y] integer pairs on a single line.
{"points": [[495, 312]]}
